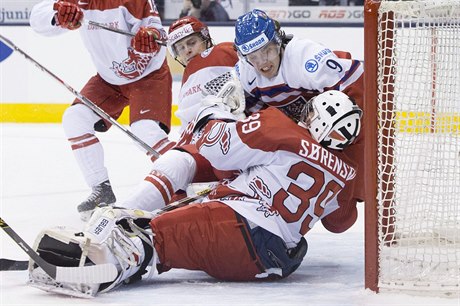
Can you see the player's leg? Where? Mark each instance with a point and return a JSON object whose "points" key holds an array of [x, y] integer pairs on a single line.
{"points": [[150, 102], [213, 238], [80, 124], [173, 171], [209, 237]]}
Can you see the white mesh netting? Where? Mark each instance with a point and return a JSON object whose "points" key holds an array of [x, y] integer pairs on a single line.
{"points": [[419, 146]]}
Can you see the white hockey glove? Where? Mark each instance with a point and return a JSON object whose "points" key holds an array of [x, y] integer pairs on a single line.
{"points": [[212, 100], [62, 246], [226, 92]]}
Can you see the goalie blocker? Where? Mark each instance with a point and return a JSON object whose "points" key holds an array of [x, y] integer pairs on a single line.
{"points": [[228, 247]]}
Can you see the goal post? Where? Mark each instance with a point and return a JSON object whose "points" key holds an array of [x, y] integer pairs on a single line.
{"points": [[412, 146]]}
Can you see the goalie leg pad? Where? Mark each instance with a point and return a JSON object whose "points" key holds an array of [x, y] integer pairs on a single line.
{"points": [[207, 237], [39, 279], [113, 236], [64, 247]]}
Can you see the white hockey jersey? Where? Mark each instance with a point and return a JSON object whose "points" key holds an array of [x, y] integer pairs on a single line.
{"points": [[306, 69], [287, 181], [212, 63], [115, 60]]}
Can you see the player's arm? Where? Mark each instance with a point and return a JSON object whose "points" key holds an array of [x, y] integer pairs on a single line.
{"points": [[146, 40], [146, 25], [320, 68], [50, 18], [228, 151]]}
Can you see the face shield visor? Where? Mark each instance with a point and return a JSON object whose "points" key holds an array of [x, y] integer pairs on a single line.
{"points": [[268, 53]]}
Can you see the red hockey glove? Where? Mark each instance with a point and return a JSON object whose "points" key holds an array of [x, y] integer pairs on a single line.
{"points": [[68, 15], [145, 40]]}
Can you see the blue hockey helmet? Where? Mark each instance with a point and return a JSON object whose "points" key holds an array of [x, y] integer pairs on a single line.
{"points": [[254, 30]]}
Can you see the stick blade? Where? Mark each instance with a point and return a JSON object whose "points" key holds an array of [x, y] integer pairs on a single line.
{"points": [[5, 51]]}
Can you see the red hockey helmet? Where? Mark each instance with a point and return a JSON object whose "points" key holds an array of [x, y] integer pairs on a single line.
{"points": [[184, 27]]}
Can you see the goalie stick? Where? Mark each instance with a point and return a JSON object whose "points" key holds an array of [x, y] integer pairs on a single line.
{"points": [[96, 274], [17, 265], [82, 98], [13, 265]]}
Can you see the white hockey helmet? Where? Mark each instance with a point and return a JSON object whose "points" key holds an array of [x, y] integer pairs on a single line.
{"points": [[333, 119]]}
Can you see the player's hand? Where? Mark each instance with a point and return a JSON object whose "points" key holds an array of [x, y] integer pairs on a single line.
{"points": [[145, 40], [68, 15]]}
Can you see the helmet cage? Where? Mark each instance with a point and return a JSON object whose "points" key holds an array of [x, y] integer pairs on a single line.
{"points": [[333, 119], [306, 114], [344, 131]]}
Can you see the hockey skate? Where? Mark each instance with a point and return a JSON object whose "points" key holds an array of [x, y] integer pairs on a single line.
{"points": [[102, 195]]}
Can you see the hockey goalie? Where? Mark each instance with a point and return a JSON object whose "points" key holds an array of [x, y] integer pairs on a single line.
{"points": [[281, 176]]}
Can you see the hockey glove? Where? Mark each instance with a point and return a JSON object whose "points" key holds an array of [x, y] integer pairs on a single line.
{"points": [[226, 90], [145, 40], [68, 15]]}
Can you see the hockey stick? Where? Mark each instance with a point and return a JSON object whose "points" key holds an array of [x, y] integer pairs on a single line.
{"points": [[183, 202], [96, 274], [16, 265], [85, 100], [119, 31], [13, 265]]}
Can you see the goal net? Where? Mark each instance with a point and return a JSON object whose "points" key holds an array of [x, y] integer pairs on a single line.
{"points": [[412, 63]]}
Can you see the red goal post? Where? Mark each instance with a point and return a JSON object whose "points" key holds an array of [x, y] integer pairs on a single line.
{"points": [[412, 146]]}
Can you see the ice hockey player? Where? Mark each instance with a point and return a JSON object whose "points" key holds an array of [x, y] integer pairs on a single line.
{"points": [[278, 70], [190, 44], [130, 71], [250, 228], [223, 100]]}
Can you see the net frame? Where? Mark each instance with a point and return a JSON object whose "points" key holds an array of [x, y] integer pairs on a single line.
{"points": [[385, 223]]}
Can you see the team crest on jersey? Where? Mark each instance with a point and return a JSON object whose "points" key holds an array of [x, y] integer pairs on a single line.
{"points": [[133, 66], [217, 134], [267, 209], [259, 187], [311, 65]]}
